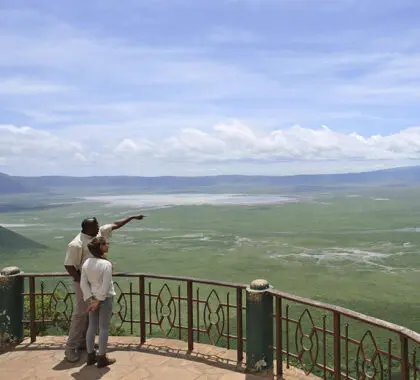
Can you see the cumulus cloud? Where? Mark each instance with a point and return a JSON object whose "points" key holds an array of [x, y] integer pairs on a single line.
{"points": [[237, 141], [26, 144], [227, 147], [128, 146]]}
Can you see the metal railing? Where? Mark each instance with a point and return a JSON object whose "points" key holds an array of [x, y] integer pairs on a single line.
{"points": [[343, 344], [325, 340], [183, 308]]}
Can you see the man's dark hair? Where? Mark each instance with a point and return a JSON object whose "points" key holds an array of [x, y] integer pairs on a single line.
{"points": [[88, 221]]}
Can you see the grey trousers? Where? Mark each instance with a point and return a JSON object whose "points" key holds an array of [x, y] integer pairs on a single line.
{"points": [[79, 323], [99, 318]]}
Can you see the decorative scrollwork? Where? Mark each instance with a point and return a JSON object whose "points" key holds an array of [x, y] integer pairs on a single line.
{"points": [[306, 342], [367, 367], [61, 302], [214, 317], [165, 310], [120, 305]]}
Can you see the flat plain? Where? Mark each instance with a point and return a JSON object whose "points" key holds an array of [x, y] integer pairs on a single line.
{"points": [[357, 249]]}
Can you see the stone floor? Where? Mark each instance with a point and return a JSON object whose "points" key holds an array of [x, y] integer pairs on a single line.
{"points": [[157, 359]]}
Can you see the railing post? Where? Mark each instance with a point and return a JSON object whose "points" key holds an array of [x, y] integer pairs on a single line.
{"points": [[279, 338], [259, 327], [239, 326], [11, 306], [405, 368], [190, 315], [32, 311], [142, 310], [337, 346]]}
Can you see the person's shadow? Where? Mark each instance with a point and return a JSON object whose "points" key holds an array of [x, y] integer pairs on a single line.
{"points": [[84, 372], [90, 373]]}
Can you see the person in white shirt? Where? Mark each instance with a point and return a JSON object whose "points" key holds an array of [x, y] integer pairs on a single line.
{"points": [[77, 253], [98, 291]]}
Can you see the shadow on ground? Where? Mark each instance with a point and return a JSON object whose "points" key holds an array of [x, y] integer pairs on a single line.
{"points": [[92, 372]]}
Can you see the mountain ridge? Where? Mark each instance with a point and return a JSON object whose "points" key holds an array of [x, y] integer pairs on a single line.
{"points": [[394, 176]]}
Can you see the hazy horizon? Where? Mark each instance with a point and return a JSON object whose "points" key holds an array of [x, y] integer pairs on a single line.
{"points": [[355, 171]]}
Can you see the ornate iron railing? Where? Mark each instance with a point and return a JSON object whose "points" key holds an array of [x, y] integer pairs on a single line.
{"points": [[175, 307], [322, 339], [332, 341]]}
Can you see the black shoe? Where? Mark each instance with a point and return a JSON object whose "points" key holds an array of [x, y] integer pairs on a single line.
{"points": [[91, 359], [104, 361]]}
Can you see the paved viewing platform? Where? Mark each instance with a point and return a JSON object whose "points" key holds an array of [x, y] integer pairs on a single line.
{"points": [[157, 359]]}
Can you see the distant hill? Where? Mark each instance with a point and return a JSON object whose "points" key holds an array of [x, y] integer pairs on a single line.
{"points": [[389, 177], [14, 185], [10, 185], [12, 241]]}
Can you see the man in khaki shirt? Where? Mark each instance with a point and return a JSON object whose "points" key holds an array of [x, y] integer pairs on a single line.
{"points": [[77, 253]]}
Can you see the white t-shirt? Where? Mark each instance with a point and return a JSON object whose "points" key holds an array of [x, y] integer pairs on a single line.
{"points": [[78, 251], [96, 279]]}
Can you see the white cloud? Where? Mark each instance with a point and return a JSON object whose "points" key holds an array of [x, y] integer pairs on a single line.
{"points": [[128, 146], [26, 144], [236, 141], [24, 86], [227, 143]]}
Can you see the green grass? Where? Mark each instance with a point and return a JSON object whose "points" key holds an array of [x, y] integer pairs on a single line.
{"points": [[355, 252], [240, 244]]}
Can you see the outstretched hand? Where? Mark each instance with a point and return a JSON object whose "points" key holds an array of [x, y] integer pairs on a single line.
{"points": [[119, 223]]}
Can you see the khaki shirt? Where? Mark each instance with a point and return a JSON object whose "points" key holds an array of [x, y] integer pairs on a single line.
{"points": [[78, 251]]}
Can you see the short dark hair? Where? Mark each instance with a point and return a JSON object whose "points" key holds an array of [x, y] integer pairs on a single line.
{"points": [[87, 221]]}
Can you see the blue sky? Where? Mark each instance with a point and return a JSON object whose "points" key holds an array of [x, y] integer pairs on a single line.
{"points": [[208, 87]]}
